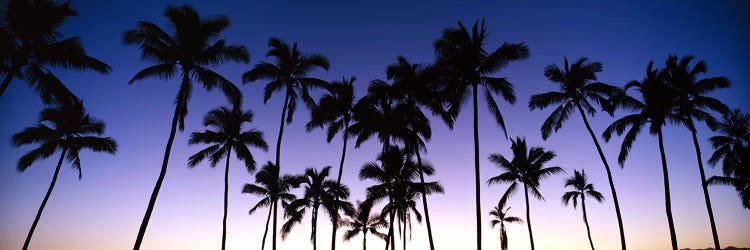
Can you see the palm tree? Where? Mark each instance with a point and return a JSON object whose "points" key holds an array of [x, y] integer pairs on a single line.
{"points": [[31, 44], [273, 188], [360, 221], [578, 90], [192, 46], [335, 109], [500, 216], [693, 103], [318, 191], [732, 148], [656, 108], [290, 73], [226, 136], [467, 64], [581, 188], [68, 128], [527, 168]]}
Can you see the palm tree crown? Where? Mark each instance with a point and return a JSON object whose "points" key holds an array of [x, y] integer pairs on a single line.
{"points": [[273, 188], [581, 188], [500, 216], [31, 43], [732, 148], [361, 221]]}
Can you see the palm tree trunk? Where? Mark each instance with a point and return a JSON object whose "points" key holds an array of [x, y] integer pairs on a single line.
{"points": [[44, 202], [364, 240], [586, 220], [503, 238], [667, 196], [265, 233], [391, 234], [424, 201], [704, 185], [476, 170], [528, 218], [404, 235], [315, 228], [226, 202], [275, 208], [338, 182], [160, 179], [6, 82], [609, 176], [281, 129]]}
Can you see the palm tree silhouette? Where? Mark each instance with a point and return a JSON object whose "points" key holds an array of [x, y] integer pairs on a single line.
{"points": [[360, 221], [527, 168], [68, 128], [290, 73], [395, 177], [581, 188], [273, 188], [226, 136], [466, 63], [335, 109], [732, 148], [693, 104], [500, 216], [318, 191], [192, 46], [31, 44], [656, 108], [579, 89]]}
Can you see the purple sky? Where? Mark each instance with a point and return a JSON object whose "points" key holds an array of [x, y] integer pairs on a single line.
{"points": [[105, 208]]}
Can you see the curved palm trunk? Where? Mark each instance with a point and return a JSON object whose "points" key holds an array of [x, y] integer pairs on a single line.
{"points": [[704, 185], [476, 171], [160, 179], [275, 208], [424, 201], [44, 202], [281, 130], [265, 233], [528, 218], [667, 196], [609, 176], [226, 202], [585, 219], [338, 182], [6, 82]]}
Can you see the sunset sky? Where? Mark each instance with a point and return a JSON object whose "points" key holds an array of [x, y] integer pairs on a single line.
{"points": [[104, 209]]}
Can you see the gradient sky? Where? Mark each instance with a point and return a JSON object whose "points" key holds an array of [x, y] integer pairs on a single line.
{"points": [[105, 208]]}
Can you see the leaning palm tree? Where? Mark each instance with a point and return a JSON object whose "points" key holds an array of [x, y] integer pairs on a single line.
{"points": [[693, 104], [273, 188], [289, 73], [360, 221], [319, 192], [31, 44], [656, 108], [68, 128], [335, 109], [500, 216], [732, 148], [527, 167], [578, 90], [227, 136], [582, 188], [192, 46], [462, 57]]}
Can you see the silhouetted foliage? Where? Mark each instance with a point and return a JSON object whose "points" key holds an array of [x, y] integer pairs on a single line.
{"points": [[273, 188], [581, 188]]}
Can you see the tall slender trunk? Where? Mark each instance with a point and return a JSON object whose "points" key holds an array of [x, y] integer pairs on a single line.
{"points": [[226, 202], [424, 201], [281, 130], [44, 202], [528, 218], [364, 240], [160, 179], [609, 176], [503, 239], [315, 228], [263, 242], [275, 208], [704, 185], [391, 236], [585, 218], [338, 182], [404, 235], [667, 196], [476, 170], [6, 82]]}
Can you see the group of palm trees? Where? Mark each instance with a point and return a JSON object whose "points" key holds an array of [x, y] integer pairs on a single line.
{"points": [[393, 112]]}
